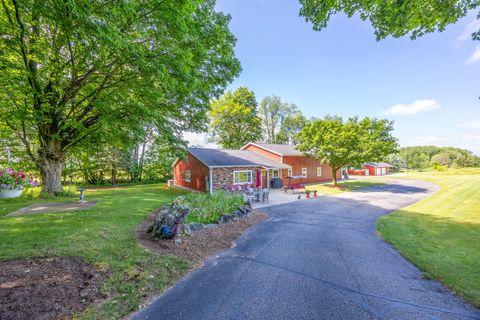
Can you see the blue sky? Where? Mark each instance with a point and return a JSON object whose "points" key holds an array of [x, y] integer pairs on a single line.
{"points": [[429, 86]]}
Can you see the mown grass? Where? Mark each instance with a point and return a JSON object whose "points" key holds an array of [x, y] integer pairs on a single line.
{"points": [[104, 236], [343, 186], [441, 234]]}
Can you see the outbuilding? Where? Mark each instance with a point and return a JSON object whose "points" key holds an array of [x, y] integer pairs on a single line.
{"points": [[376, 168]]}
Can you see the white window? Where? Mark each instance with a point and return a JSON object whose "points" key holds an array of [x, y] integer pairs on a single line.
{"points": [[188, 176], [275, 173], [304, 172], [290, 172], [244, 176], [319, 171]]}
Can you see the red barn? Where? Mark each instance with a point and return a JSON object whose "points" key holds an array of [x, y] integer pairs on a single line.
{"points": [[376, 168]]}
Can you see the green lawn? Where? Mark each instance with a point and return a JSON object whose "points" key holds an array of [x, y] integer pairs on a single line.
{"points": [[441, 234], [349, 185], [105, 236]]}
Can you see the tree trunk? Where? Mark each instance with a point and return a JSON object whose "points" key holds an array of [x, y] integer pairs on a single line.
{"points": [[334, 176], [50, 164], [51, 172]]}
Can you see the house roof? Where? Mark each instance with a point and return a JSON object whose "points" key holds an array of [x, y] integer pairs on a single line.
{"points": [[378, 164], [280, 149], [234, 158]]}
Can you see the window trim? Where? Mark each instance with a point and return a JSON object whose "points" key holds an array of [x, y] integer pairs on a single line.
{"points": [[240, 171], [306, 172], [319, 175], [189, 175]]}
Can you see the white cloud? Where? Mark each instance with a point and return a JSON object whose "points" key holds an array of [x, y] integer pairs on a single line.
{"points": [[469, 29], [475, 56], [472, 124], [198, 140], [416, 107]]}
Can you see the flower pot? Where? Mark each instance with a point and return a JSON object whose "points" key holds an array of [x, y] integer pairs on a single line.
{"points": [[315, 193], [10, 193]]}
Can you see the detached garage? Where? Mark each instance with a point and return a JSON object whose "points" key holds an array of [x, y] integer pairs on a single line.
{"points": [[376, 168]]}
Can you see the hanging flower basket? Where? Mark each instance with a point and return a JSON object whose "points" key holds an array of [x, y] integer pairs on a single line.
{"points": [[12, 182]]}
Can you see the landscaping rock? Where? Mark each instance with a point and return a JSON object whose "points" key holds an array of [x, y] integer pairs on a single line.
{"points": [[196, 226], [225, 218], [211, 226]]}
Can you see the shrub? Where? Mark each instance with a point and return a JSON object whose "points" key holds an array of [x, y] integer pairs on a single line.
{"points": [[207, 208]]}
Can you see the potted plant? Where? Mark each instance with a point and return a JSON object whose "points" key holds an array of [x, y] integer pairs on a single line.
{"points": [[307, 192], [314, 193], [12, 182]]}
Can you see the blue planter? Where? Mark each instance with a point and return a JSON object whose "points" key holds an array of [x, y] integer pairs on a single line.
{"points": [[10, 193]]}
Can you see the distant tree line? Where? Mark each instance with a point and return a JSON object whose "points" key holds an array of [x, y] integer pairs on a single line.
{"points": [[424, 157]]}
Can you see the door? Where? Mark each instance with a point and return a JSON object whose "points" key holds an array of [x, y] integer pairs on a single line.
{"points": [[378, 171]]}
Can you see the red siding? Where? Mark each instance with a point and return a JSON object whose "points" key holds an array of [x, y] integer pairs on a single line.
{"points": [[264, 152], [199, 173], [372, 171], [299, 162]]}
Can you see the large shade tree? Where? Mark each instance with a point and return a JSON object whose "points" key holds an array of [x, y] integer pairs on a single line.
{"points": [[339, 143], [391, 18], [233, 119], [73, 68], [273, 113]]}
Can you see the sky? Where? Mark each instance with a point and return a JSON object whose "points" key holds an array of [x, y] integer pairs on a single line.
{"points": [[429, 87]]}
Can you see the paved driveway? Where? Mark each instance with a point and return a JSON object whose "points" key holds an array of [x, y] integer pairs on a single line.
{"points": [[315, 259]]}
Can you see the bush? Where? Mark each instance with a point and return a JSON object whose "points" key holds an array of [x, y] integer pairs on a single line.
{"points": [[206, 208]]}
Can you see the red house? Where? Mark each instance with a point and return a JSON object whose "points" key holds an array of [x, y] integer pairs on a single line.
{"points": [[376, 168], [255, 163]]}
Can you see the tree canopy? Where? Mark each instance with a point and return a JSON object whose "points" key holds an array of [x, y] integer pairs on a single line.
{"points": [[233, 119], [280, 120], [391, 18], [70, 69], [339, 143]]}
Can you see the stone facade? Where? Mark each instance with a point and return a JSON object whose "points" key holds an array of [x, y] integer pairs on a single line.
{"points": [[223, 177]]}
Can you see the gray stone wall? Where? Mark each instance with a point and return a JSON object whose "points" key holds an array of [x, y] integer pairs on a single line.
{"points": [[223, 177]]}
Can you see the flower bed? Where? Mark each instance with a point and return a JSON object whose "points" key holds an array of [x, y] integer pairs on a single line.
{"points": [[12, 182]]}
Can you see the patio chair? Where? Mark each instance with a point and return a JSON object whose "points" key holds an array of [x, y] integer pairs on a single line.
{"points": [[265, 194]]}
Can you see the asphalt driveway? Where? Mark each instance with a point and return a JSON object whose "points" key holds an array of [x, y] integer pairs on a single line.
{"points": [[315, 259]]}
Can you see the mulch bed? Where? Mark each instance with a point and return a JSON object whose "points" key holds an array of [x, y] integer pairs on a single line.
{"points": [[201, 244], [47, 288]]}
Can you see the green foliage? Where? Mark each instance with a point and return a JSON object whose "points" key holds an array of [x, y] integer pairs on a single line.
{"points": [[397, 162], [233, 119], [423, 157], [391, 18], [280, 120], [352, 142], [207, 208], [71, 69]]}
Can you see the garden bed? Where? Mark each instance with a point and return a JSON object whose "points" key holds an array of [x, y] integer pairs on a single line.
{"points": [[201, 244], [47, 288]]}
